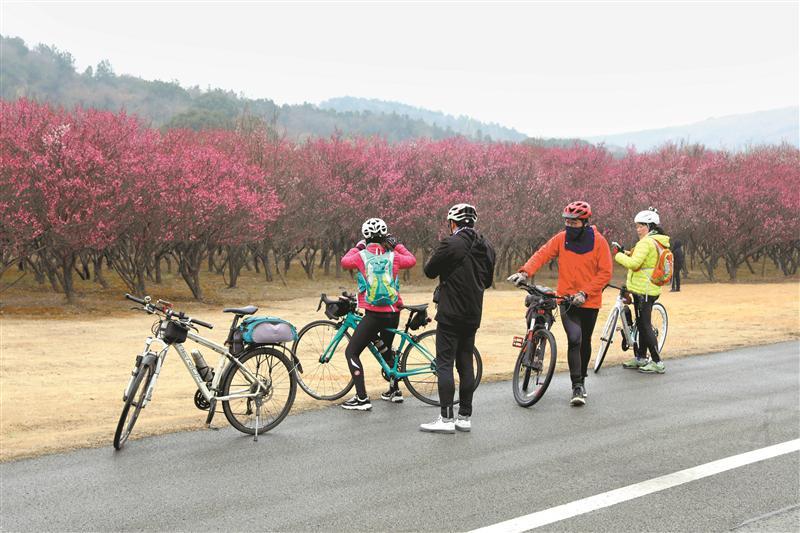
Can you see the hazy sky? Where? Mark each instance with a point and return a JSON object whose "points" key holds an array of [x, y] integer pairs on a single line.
{"points": [[547, 69]]}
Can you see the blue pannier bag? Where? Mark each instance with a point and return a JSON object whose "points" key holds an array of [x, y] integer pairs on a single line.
{"points": [[267, 330]]}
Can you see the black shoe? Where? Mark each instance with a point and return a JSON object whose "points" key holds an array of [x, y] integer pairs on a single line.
{"points": [[357, 404], [578, 396], [393, 395]]}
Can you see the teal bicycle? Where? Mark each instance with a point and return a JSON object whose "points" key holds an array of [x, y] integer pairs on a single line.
{"points": [[322, 368]]}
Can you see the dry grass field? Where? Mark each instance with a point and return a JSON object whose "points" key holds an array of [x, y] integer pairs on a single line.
{"points": [[63, 369]]}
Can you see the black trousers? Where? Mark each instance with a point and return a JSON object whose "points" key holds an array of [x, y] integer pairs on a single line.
{"points": [[644, 325], [455, 345], [372, 326], [676, 279], [578, 324]]}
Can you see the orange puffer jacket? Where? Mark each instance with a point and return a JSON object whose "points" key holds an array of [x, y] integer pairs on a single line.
{"points": [[589, 272]]}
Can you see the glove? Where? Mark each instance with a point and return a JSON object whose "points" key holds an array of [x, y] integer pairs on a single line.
{"points": [[390, 241], [361, 245], [518, 278], [617, 247], [579, 299]]}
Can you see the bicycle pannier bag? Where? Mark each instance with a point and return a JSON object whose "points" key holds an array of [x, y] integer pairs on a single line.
{"points": [[379, 285], [237, 341], [267, 330]]}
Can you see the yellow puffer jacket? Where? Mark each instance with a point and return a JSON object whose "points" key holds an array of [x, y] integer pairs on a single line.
{"points": [[640, 264]]}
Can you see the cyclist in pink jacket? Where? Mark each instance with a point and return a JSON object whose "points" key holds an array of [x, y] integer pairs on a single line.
{"points": [[378, 258]]}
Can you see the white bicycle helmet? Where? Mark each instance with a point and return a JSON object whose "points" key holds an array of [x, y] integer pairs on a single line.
{"points": [[374, 227], [650, 216], [462, 213]]}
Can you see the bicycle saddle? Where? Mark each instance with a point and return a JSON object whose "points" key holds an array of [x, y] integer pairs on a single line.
{"points": [[418, 308], [249, 310]]}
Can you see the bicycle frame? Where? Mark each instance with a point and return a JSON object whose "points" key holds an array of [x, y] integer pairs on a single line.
{"points": [[629, 331], [351, 321], [225, 360]]}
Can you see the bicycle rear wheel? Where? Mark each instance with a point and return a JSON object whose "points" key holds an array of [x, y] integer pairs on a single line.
{"points": [[425, 385], [534, 368], [660, 323], [274, 372], [133, 405], [606, 338], [324, 381]]}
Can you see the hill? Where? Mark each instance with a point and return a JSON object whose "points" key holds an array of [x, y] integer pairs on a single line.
{"points": [[48, 74], [732, 132], [462, 125]]}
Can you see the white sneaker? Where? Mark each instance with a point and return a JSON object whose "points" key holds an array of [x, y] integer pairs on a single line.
{"points": [[440, 425], [463, 423]]}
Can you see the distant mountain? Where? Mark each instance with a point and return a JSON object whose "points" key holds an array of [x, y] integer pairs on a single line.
{"points": [[47, 74], [461, 124], [732, 132]]}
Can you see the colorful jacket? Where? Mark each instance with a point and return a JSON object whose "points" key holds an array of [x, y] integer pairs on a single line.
{"points": [[640, 264], [588, 272], [403, 259]]}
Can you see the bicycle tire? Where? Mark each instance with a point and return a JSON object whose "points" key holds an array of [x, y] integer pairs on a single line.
{"points": [[661, 333], [541, 339], [274, 360], [427, 390], [313, 377], [606, 339], [135, 399]]}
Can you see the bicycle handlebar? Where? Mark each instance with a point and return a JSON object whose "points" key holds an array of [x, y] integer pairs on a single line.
{"points": [[135, 299], [537, 289], [201, 323], [149, 307]]}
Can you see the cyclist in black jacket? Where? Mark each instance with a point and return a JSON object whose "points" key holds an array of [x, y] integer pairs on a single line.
{"points": [[464, 263]]}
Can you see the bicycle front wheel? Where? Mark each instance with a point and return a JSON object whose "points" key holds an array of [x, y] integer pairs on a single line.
{"points": [[133, 405], [534, 368], [425, 385], [271, 372], [606, 338], [660, 324], [329, 380]]}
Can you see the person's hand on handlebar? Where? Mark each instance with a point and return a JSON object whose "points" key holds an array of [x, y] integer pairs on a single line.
{"points": [[518, 278], [361, 245]]}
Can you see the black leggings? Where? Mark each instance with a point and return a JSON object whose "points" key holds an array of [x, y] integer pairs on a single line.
{"points": [[371, 326], [455, 345], [578, 324], [644, 325]]}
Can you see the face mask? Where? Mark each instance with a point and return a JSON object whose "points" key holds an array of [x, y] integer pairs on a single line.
{"points": [[574, 234]]}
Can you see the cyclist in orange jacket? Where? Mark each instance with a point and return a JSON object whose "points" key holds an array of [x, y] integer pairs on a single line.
{"points": [[584, 269]]}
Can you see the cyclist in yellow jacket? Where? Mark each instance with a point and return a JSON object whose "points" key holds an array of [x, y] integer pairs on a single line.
{"points": [[640, 263]]}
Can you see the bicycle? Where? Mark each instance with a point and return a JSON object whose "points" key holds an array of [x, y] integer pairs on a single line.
{"points": [[319, 348], [536, 362], [255, 378], [628, 330]]}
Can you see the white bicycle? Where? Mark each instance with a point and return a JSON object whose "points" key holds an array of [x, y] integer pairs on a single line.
{"points": [[255, 378], [628, 331]]}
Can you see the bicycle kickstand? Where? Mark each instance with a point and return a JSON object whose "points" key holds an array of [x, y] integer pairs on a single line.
{"points": [[258, 419], [211, 411]]}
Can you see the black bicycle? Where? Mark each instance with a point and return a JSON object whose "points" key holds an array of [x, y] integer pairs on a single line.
{"points": [[536, 362]]}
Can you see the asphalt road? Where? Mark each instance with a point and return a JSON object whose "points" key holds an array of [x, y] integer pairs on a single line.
{"points": [[337, 470]]}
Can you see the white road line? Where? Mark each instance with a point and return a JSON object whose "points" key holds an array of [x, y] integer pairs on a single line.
{"points": [[613, 497]]}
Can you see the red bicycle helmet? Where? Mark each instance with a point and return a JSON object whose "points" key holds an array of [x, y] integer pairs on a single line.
{"points": [[580, 210]]}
